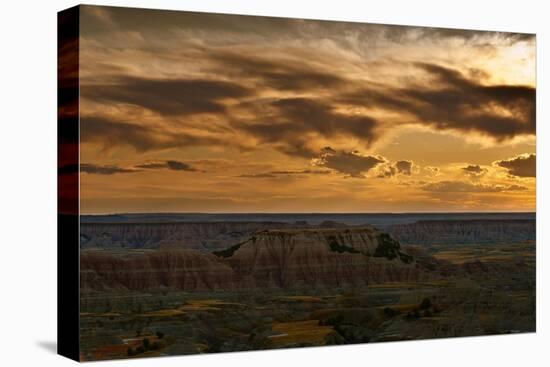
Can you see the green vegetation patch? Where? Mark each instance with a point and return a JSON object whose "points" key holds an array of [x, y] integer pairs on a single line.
{"points": [[228, 252], [407, 259], [387, 247], [336, 247]]}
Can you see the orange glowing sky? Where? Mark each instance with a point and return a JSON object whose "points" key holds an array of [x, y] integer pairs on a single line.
{"points": [[194, 112]]}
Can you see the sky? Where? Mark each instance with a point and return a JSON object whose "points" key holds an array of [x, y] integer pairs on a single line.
{"points": [[198, 112]]}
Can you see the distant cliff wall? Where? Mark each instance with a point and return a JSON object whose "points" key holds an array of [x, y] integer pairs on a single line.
{"points": [[201, 236], [463, 231]]}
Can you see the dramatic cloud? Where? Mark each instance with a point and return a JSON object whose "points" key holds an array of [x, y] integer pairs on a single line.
{"points": [[278, 75], [167, 96], [399, 167], [474, 170], [461, 186], [292, 125], [179, 166], [463, 104], [112, 169], [104, 170], [452, 101], [522, 166], [351, 163], [294, 120], [110, 133], [170, 164], [404, 167], [152, 165]]}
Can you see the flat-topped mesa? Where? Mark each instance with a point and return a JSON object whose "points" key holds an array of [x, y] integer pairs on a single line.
{"points": [[319, 257], [269, 259], [364, 240]]}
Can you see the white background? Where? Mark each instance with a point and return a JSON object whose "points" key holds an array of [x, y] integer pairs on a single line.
{"points": [[28, 183]]}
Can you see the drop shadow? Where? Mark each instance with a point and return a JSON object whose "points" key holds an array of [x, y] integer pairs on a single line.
{"points": [[48, 345]]}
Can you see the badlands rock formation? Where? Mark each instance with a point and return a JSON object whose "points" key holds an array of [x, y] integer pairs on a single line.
{"points": [[282, 258], [463, 231], [321, 258], [170, 269]]}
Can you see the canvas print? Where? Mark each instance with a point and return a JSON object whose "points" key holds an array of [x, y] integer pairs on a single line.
{"points": [[249, 183]]}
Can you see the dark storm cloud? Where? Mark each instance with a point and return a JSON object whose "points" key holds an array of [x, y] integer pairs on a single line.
{"points": [[404, 167], [167, 96], [453, 101], [462, 104], [474, 170], [113, 169], [152, 165], [110, 133], [293, 119], [279, 74], [521, 166], [104, 170], [170, 164], [350, 163], [466, 187], [320, 117], [179, 166], [397, 168]]}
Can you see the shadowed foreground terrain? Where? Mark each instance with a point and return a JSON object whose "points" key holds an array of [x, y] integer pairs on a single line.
{"points": [[151, 288]]}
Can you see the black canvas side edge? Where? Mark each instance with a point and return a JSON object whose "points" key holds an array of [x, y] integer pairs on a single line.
{"points": [[68, 252]]}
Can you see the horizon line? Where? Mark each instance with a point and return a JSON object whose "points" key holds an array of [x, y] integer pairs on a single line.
{"points": [[308, 213]]}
